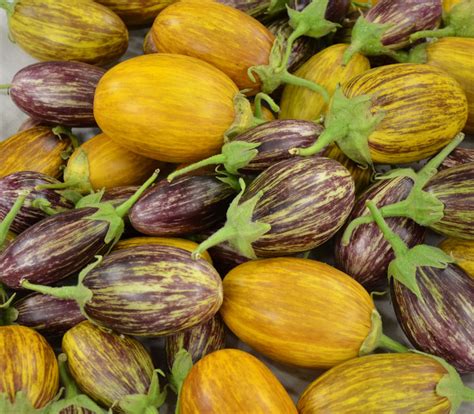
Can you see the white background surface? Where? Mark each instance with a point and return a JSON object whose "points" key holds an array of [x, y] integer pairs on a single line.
{"points": [[12, 59]]}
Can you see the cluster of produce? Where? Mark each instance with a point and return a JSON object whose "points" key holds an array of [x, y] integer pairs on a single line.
{"points": [[248, 134]]}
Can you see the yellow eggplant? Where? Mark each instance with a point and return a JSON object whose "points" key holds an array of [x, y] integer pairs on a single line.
{"points": [[231, 381], [462, 251], [136, 12], [326, 69], [28, 366], [148, 44]]}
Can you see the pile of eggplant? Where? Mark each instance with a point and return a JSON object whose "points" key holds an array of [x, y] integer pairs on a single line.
{"points": [[264, 171]]}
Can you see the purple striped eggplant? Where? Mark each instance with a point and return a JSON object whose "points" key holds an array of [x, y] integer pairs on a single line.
{"points": [[61, 245], [254, 8], [386, 28], [457, 157], [199, 340], [57, 92], [39, 203], [187, 205], [148, 290], [30, 123], [45, 314], [293, 206], [335, 12], [367, 255], [118, 195]]}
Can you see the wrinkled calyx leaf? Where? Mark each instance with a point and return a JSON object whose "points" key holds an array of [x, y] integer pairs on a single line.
{"points": [[182, 364], [10, 217]]}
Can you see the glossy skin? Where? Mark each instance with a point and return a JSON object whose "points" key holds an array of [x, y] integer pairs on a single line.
{"points": [[80, 30], [232, 381], [462, 251], [390, 383], [225, 37], [136, 12], [27, 364], [297, 311], [167, 107]]}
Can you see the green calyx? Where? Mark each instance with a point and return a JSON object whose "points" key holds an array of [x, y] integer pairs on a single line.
{"points": [[244, 118], [239, 229], [9, 7], [258, 113], [21, 405], [277, 6], [45, 206], [182, 364], [418, 54], [10, 217], [349, 123]]}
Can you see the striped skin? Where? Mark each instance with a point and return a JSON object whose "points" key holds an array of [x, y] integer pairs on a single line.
{"points": [[186, 205], [424, 109], [255, 8], [368, 254], [110, 165], [107, 366], [231, 381], [79, 30], [223, 36], [386, 383], [326, 69], [10, 237], [297, 311], [35, 149], [184, 244], [199, 340], [149, 45], [167, 107], [441, 324], [28, 364], [462, 251], [454, 187], [53, 249], [448, 5], [305, 200], [336, 9], [454, 56], [57, 92], [152, 290], [13, 184], [118, 195], [458, 156], [30, 123], [136, 12]]}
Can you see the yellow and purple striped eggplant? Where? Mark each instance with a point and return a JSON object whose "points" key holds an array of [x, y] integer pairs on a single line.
{"points": [[12, 185], [386, 383], [30, 123], [57, 92], [199, 340], [457, 157], [80, 30], [335, 12], [367, 255], [254, 8], [462, 251], [149, 45]]}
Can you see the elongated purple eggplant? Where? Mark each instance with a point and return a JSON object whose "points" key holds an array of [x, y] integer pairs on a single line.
{"points": [[335, 12], [187, 205], [368, 254], [57, 92], [147, 290], [38, 202], [46, 314], [199, 340], [457, 157], [61, 245], [387, 27], [293, 206], [118, 195]]}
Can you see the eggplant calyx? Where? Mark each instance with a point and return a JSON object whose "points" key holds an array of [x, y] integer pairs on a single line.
{"points": [[239, 229], [60, 130], [276, 6], [418, 54], [244, 118], [20, 404], [182, 364], [9, 7], [8, 314], [227, 178], [258, 114], [10, 217], [45, 206]]}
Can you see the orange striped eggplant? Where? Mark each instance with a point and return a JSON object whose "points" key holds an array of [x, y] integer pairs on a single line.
{"points": [[136, 12], [457, 157], [168, 107], [79, 30], [301, 312], [29, 370], [389, 383], [36, 149], [394, 114], [171, 291], [149, 44], [188, 28], [233, 381], [462, 251]]}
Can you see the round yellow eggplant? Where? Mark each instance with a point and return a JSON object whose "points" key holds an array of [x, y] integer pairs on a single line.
{"points": [[171, 108], [462, 251], [232, 381], [136, 12]]}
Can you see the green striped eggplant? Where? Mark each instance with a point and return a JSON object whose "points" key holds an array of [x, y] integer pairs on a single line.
{"points": [[148, 290], [457, 157], [186, 205], [293, 206], [61, 245]]}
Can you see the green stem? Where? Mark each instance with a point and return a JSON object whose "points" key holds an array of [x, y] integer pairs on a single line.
{"points": [[45, 206], [71, 389], [7, 6], [3, 294], [300, 30], [8, 314], [10, 217], [297, 81], [60, 186], [445, 32], [467, 394], [214, 160], [79, 293], [350, 52], [389, 343], [5, 88], [399, 55], [328, 136], [258, 104], [60, 130], [346, 237], [220, 236]]}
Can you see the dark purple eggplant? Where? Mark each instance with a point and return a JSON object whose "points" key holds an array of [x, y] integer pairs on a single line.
{"points": [[148, 290], [39, 203], [293, 206], [386, 28], [335, 12], [199, 340], [367, 255], [118, 195], [46, 314], [187, 205], [61, 245], [57, 92], [457, 157]]}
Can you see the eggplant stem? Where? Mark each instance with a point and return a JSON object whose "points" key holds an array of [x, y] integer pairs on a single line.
{"points": [[258, 104], [349, 53], [61, 130], [220, 236], [59, 186], [5, 87], [446, 31], [10, 217], [392, 345], [354, 224], [70, 387], [214, 160], [300, 30], [328, 136], [467, 394], [297, 81]]}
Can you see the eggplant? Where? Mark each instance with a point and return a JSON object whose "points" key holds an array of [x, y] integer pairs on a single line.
{"points": [[30, 123], [57, 92], [293, 206], [462, 251], [387, 27], [335, 12], [61, 245], [148, 290], [254, 8], [118, 195], [149, 45], [457, 157], [187, 205]]}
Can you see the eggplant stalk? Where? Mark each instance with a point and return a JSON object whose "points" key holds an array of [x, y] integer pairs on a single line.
{"points": [[8, 220]]}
